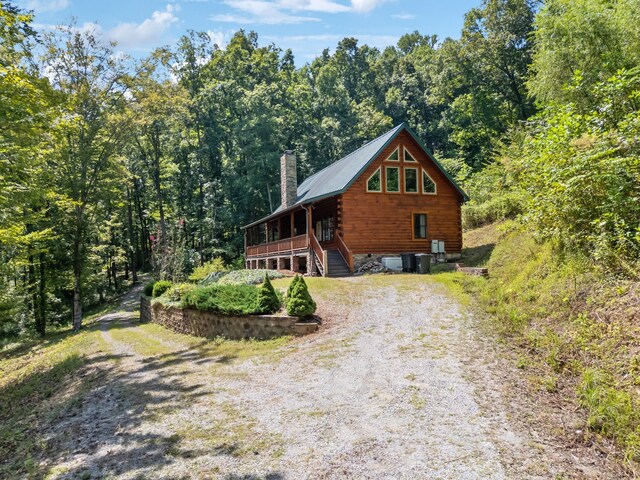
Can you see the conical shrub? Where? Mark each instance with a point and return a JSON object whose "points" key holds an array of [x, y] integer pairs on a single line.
{"points": [[299, 301], [292, 285], [268, 301]]}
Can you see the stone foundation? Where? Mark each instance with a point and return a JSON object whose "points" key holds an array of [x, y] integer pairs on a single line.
{"points": [[210, 324]]}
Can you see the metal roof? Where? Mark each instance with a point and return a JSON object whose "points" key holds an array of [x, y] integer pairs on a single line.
{"points": [[338, 177]]}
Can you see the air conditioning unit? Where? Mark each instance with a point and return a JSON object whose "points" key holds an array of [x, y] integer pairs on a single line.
{"points": [[392, 263]]}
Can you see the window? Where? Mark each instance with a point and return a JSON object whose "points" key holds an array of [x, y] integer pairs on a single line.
{"points": [[374, 184], [411, 180], [428, 185], [419, 226], [408, 157], [324, 229], [393, 179], [395, 156]]}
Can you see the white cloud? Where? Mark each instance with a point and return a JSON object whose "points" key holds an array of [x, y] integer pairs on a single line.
{"points": [[324, 6], [218, 38], [148, 32], [364, 6], [404, 16], [289, 11], [46, 5], [260, 11]]}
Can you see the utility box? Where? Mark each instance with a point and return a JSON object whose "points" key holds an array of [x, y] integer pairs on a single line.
{"points": [[437, 246]]}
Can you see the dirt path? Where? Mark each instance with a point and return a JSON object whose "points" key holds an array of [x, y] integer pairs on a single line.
{"points": [[388, 390]]}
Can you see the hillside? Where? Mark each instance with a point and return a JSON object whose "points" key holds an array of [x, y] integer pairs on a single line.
{"points": [[573, 333]]}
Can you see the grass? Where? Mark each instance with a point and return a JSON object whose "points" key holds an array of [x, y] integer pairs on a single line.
{"points": [[139, 341], [232, 432], [36, 386], [573, 330]]}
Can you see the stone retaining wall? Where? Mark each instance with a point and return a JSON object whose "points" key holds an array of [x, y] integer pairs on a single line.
{"points": [[210, 324]]}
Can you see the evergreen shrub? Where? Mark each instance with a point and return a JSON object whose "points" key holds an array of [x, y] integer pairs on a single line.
{"points": [[268, 301], [148, 289], [160, 287], [299, 301]]}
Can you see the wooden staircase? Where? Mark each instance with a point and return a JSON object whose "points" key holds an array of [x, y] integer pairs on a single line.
{"points": [[337, 266]]}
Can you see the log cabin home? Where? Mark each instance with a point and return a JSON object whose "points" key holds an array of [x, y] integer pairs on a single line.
{"points": [[388, 197]]}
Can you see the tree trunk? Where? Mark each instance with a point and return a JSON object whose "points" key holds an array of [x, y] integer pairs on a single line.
{"points": [[41, 319], [77, 271], [33, 290], [133, 244], [155, 141], [77, 302]]}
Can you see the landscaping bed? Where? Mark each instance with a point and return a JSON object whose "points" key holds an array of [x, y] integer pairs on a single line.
{"points": [[234, 310]]}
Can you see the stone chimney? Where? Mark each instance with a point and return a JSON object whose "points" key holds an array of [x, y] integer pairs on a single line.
{"points": [[288, 179]]}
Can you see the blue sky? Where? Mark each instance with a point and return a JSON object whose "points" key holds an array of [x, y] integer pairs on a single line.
{"points": [[305, 26]]}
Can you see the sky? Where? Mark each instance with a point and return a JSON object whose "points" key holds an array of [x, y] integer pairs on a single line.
{"points": [[305, 26]]}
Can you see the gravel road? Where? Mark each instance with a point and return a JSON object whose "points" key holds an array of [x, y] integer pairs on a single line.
{"points": [[388, 389]]}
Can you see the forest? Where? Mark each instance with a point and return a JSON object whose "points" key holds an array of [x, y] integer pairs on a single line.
{"points": [[110, 166]]}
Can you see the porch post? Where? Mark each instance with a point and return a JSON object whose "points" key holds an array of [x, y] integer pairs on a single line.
{"points": [[245, 243], [292, 225], [311, 262]]}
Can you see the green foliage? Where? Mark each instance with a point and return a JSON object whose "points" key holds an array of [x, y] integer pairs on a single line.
{"points": [[178, 291], [611, 411], [148, 289], [572, 324], [494, 196], [226, 299], [268, 301], [161, 287], [201, 272], [248, 277], [580, 43], [292, 285], [299, 301]]}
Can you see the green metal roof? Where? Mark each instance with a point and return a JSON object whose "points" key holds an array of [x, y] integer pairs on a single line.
{"points": [[339, 176]]}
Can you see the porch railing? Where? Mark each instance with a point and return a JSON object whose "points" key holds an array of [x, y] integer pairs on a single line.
{"points": [[345, 252], [319, 253], [285, 245]]}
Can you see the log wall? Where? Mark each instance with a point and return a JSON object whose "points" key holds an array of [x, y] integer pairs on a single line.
{"points": [[382, 222]]}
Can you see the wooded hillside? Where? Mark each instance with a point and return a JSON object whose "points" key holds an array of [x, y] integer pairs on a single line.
{"points": [[109, 166]]}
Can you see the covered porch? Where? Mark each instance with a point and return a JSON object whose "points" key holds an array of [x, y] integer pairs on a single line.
{"points": [[300, 239]]}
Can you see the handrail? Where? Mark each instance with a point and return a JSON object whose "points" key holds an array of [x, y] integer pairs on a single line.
{"points": [[319, 253], [345, 253]]}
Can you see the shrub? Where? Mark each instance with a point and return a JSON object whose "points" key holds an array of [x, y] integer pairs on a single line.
{"points": [[201, 272], [299, 301], [148, 289], [248, 277], [268, 301], [293, 283], [227, 299], [177, 292], [160, 287], [213, 277]]}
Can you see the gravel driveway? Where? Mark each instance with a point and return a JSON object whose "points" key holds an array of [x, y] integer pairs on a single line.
{"points": [[387, 389]]}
